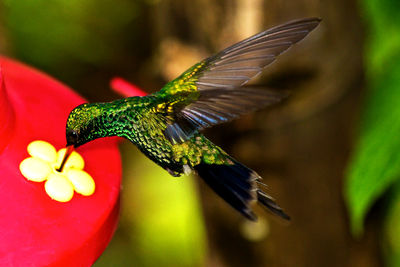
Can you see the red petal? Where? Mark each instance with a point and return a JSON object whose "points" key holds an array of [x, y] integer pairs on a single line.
{"points": [[125, 88], [36, 230]]}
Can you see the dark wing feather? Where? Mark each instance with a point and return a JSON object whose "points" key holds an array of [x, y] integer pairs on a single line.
{"points": [[208, 93], [236, 65], [216, 106]]}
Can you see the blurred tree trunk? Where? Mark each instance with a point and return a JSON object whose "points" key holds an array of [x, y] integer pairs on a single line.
{"points": [[301, 148]]}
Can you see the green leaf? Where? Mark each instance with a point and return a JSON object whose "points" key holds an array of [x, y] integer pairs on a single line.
{"points": [[375, 163]]}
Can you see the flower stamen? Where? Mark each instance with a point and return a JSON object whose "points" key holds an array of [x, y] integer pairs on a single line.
{"points": [[62, 171]]}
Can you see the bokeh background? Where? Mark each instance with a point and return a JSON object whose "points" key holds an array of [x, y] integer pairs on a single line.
{"points": [[330, 154]]}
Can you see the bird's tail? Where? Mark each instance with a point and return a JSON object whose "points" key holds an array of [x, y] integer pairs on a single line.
{"points": [[238, 185]]}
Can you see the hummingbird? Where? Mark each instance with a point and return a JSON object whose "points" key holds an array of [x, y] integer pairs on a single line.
{"points": [[166, 126]]}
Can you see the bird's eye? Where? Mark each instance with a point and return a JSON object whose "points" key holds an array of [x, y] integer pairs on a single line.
{"points": [[74, 134], [72, 137]]}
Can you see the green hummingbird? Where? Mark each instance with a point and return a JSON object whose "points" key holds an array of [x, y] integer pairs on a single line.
{"points": [[166, 126]]}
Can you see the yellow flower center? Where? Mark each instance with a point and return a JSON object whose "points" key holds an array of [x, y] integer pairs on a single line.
{"points": [[42, 166]]}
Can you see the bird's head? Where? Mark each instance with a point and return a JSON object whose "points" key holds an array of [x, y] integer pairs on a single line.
{"points": [[81, 124]]}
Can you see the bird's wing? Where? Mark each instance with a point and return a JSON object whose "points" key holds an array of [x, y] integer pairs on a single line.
{"points": [[209, 93]]}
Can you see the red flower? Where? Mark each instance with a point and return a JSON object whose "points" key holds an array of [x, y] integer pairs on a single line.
{"points": [[125, 88], [36, 230]]}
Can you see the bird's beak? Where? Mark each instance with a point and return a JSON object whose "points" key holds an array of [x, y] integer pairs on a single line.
{"points": [[70, 148]]}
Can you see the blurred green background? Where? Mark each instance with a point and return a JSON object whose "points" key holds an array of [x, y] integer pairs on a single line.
{"points": [[330, 154]]}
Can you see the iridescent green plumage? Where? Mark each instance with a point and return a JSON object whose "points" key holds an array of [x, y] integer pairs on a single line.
{"points": [[166, 125], [143, 120]]}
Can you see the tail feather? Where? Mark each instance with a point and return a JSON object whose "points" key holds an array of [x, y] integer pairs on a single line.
{"points": [[268, 202], [237, 185]]}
